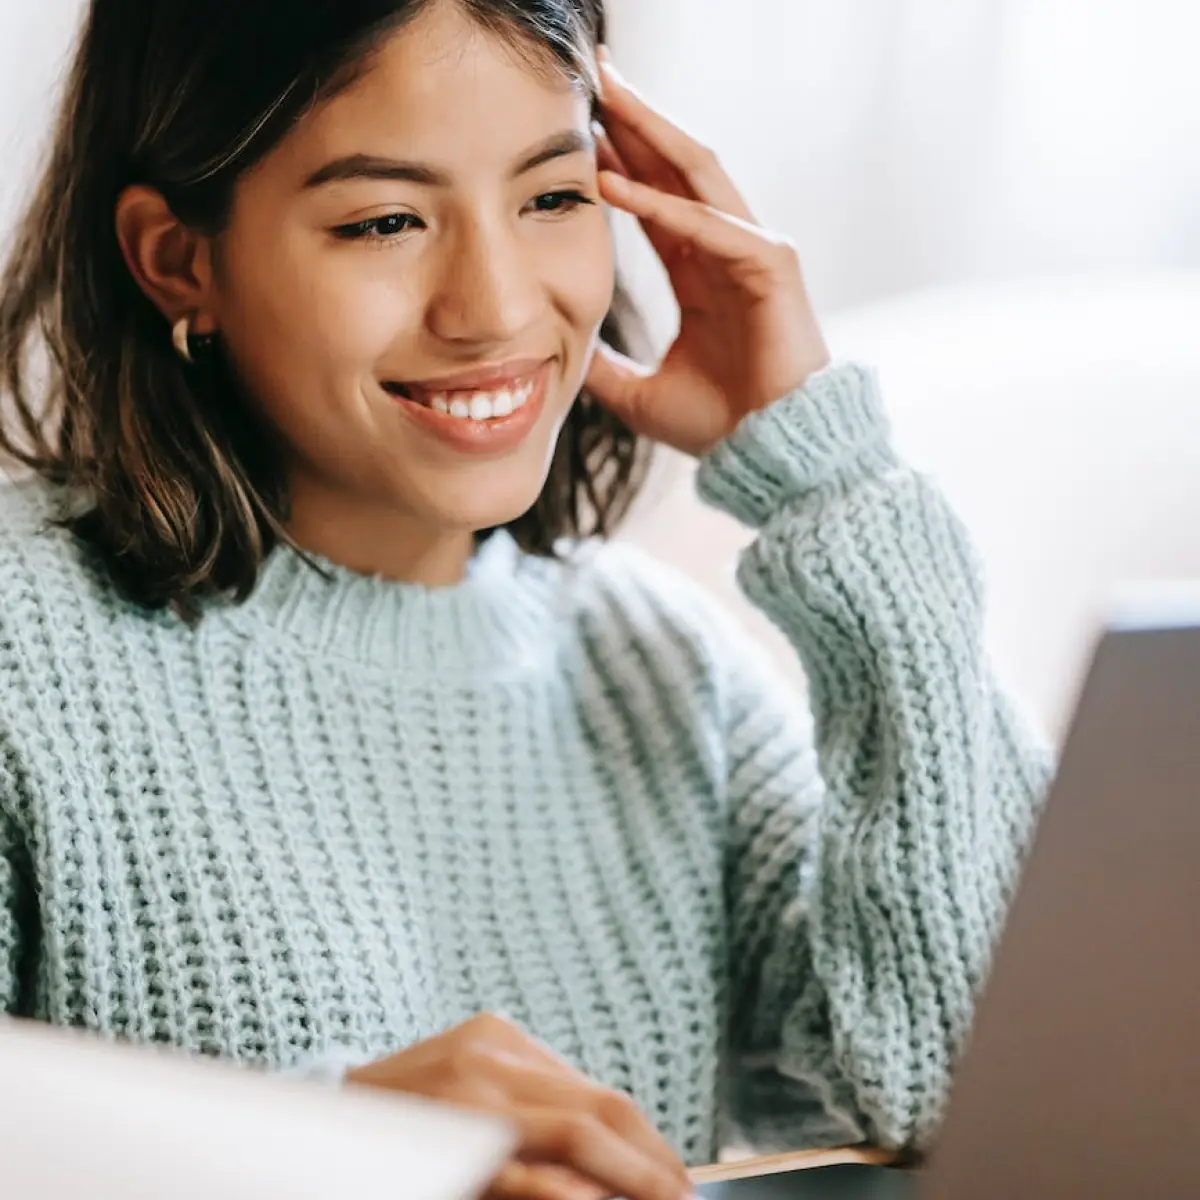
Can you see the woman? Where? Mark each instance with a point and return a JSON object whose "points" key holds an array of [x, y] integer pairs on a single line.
{"points": [[330, 737]]}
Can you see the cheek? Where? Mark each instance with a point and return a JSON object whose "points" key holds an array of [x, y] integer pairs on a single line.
{"points": [[582, 275], [306, 316]]}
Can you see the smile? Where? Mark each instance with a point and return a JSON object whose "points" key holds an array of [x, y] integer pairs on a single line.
{"points": [[486, 409], [471, 405]]}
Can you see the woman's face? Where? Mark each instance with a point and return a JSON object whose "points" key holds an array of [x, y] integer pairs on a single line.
{"points": [[412, 282]]}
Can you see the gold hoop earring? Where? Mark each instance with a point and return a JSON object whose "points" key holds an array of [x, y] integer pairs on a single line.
{"points": [[180, 332], [188, 344]]}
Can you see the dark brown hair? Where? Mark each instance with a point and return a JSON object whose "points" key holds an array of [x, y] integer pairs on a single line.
{"points": [[177, 482]]}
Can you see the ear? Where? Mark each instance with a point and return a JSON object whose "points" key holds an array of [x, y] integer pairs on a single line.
{"points": [[171, 263]]}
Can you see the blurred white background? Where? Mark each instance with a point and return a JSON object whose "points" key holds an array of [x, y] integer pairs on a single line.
{"points": [[997, 202], [911, 142]]}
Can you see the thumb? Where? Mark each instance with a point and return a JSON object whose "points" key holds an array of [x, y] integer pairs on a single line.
{"points": [[617, 381]]}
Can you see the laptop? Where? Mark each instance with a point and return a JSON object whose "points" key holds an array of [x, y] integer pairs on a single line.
{"points": [[1082, 1078], [82, 1119]]}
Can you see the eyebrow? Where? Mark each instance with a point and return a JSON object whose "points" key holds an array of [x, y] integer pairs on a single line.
{"points": [[371, 166]]}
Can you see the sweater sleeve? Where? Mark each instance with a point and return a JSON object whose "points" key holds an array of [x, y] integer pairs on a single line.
{"points": [[329, 1069], [866, 894]]}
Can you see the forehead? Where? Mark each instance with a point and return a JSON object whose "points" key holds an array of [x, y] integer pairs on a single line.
{"points": [[445, 89]]}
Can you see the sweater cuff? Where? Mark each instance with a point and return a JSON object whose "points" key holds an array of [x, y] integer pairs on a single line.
{"points": [[328, 1069], [832, 431]]}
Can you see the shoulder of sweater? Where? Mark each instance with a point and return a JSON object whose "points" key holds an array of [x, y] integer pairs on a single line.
{"points": [[41, 563], [27, 505], [621, 591], [637, 608]]}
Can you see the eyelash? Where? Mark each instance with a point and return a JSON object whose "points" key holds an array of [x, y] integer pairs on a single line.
{"points": [[384, 229], [573, 200]]}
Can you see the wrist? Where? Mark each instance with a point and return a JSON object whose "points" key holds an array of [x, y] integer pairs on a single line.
{"points": [[826, 434]]}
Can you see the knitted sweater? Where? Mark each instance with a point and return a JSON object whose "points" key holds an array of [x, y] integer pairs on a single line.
{"points": [[349, 813]]}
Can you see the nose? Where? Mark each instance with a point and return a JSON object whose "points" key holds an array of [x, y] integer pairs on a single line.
{"points": [[487, 290]]}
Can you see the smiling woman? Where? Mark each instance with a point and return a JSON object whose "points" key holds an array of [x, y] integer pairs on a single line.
{"points": [[327, 734]]}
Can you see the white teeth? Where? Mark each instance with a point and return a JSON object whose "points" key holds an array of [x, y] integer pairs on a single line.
{"points": [[481, 406]]}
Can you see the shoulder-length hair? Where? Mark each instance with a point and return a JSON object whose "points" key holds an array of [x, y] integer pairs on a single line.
{"points": [[177, 482]]}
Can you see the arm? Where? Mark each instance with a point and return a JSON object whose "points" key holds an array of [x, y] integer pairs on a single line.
{"points": [[865, 897]]}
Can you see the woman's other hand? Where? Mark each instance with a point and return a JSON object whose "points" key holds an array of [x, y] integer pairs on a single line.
{"points": [[576, 1140]]}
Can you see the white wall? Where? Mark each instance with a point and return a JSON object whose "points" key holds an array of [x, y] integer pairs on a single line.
{"points": [[35, 39], [910, 142]]}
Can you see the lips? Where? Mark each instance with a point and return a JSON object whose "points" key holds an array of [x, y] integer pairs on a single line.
{"points": [[480, 405], [485, 410], [486, 379]]}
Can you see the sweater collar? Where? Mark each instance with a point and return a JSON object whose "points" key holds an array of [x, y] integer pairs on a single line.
{"points": [[495, 619]]}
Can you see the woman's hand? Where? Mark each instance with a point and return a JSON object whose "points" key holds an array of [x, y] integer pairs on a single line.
{"points": [[747, 332], [577, 1141]]}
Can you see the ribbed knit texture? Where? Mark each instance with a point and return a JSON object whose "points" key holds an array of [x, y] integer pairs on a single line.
{"points": [[351, 813]]}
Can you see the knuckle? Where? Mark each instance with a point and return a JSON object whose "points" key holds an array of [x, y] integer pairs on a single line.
{"points": [[653, 1183], [793, 257], [576, 1135], [785, 253], [664, 1186], [486, 1023], [703, 157], [468, 1059], [617, 1110], [521, 1181], [492, 1029]]}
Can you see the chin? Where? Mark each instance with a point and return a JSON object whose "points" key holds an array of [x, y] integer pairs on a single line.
{"points": [[485, 511], [481, 496]]}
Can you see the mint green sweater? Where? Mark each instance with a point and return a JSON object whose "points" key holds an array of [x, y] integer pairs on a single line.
{"points": [[350, 813]]}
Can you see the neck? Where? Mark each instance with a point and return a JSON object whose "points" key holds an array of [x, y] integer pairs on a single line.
{"points": [[377, 540]]}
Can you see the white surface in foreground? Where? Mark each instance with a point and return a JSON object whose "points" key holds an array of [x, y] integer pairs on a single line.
{"points": [[85, 1120]]}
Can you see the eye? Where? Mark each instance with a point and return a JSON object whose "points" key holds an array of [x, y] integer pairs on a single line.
{"points": [[559, 203], [378, 228]]}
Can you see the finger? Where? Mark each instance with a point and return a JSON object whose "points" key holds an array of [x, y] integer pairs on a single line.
{"points": [[588, 1146], [616, 381], [663, 244], [697, 165], [504, 1035], [619, 1112], [525, 1181], [528, 1083], [531, 1073], [644, 162], [608, 158], [638, 161], [726, 237]]}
